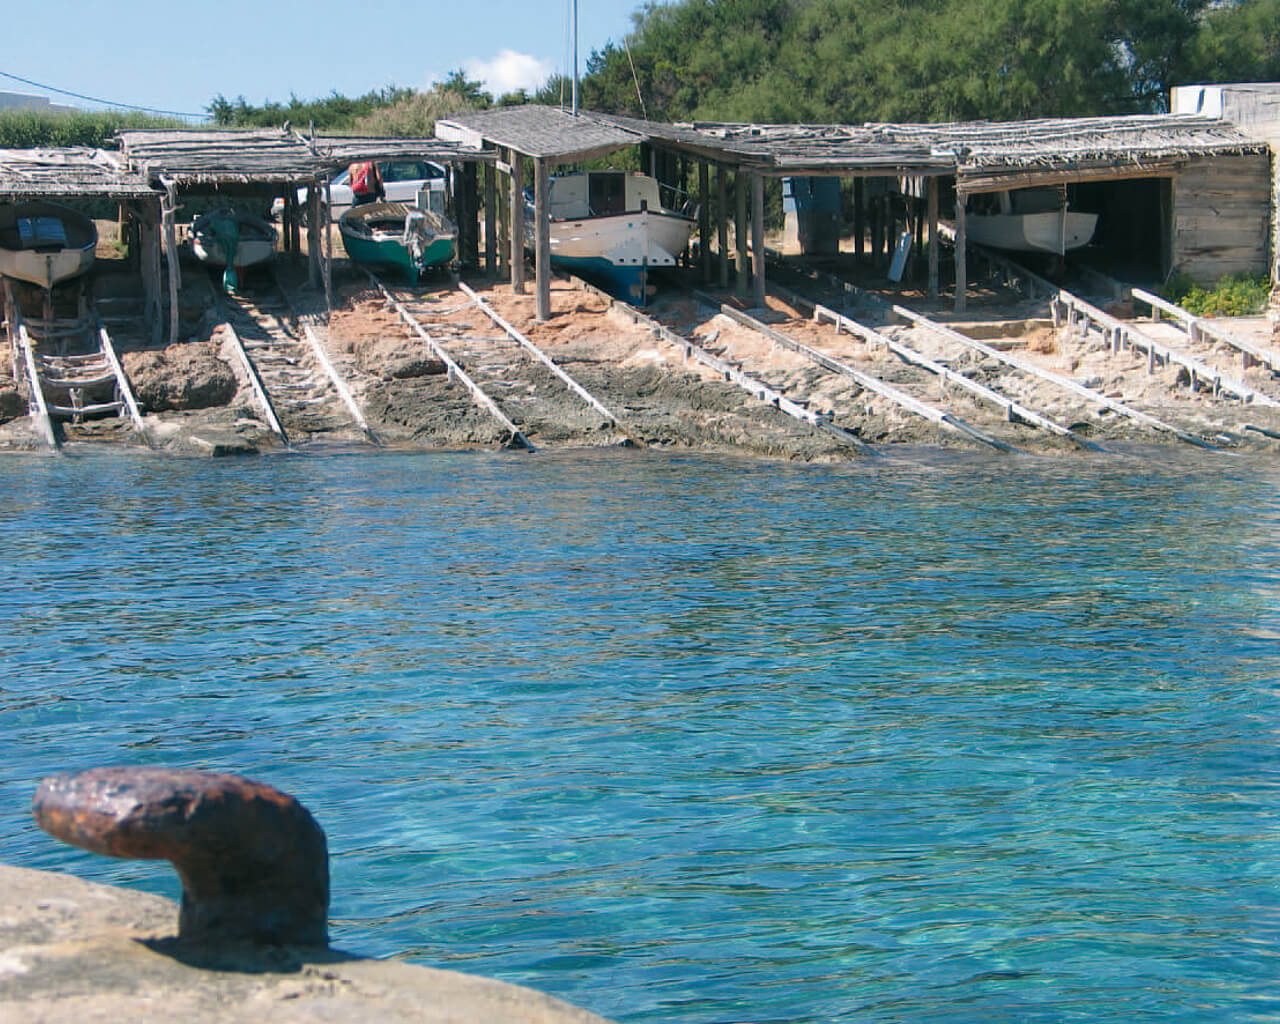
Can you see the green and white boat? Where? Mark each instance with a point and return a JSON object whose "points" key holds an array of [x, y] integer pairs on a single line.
{"points": [[398, 237]]}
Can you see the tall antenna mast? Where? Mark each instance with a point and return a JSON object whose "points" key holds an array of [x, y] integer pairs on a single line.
{"points": [[575, 58]]}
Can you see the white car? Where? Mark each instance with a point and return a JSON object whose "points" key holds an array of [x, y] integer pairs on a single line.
{"points": [[403, 180]]}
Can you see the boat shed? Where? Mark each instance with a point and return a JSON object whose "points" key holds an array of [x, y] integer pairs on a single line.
{"points": [[264, 164], [1177, 192], [79, 173], [548, 137]]}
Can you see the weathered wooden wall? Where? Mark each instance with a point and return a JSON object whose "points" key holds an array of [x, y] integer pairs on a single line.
{"points": [[1222, 216]]}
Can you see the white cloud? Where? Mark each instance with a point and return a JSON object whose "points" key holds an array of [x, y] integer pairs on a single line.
{"points": [[509, 71]]}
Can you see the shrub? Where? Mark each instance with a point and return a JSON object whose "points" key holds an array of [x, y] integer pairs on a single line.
{"points": [[1233, 295]]}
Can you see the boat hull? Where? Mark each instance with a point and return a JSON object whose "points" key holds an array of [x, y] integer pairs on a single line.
{"points": [[46, 269], [381, 249], [255, 239], [1052, 231], [248, 253], [65, 253], [619, 250]]}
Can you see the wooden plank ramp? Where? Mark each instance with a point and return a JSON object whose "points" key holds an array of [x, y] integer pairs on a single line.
{"points": [[733, 374], [1064, 383], [515, 438], [41, 422], [1015, 412], [925, 410]]}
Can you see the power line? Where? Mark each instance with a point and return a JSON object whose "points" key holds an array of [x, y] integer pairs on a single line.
{"points": [[95, 99]]}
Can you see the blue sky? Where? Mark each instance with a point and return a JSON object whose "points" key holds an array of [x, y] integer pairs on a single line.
{"points": [[179, 56]]}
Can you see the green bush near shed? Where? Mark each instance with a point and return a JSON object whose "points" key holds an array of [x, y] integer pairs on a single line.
{"points": [[1233, 295]]}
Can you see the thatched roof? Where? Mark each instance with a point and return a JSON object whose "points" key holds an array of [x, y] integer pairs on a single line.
{"points": [[265, 156], [537, 131], [964, 149], [69, 173]]}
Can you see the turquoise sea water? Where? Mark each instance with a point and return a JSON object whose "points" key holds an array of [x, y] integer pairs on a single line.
{"points": [[949, 737]]}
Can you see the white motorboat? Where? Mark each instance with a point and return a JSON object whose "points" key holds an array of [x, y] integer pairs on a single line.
{"points": [[611, 226], [44, 243], [1032, 220]]}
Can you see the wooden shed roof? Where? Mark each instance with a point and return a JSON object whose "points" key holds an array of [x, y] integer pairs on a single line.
{"points": [[1116, 144], [69, 173], [538, 131], [268, 156], [216, 157]]}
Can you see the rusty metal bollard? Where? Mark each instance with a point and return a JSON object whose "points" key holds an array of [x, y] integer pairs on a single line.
{"points": [[253, 861]]}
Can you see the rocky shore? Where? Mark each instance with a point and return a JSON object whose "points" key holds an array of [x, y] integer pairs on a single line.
{"points": [[198, 401], [74, 952]]}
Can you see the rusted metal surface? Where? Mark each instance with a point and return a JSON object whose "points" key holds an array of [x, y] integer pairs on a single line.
{"points": [[253, 862]]}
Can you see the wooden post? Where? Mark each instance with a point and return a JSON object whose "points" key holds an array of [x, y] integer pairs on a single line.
{"points": [[326, 229], [740, 230], [722, 222], [490, 221], [757, 238], [471, 217], [517, 223], [704, 219], [313, 233], [149, 244], [962, 283], [504, 222], [168, 213], [859, 220], [542, 212], [933, 237]]}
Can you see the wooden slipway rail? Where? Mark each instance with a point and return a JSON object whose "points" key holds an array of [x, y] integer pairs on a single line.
{"points": [[73, 372], [1198, 328], [311, 327], [251, 371], [912, 404], [1075, 311], [483, 305], [733, 374], [456, 372], [1065, 383], [1015, 412]]}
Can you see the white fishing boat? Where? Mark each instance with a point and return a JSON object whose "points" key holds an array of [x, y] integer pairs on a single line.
{"points": [[611, 226], [44, 243], [1032, 220]]}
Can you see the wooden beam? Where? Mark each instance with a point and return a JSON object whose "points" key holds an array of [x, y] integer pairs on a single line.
{"points": [[490, 222], [517, 223], [740, 231], [934, 241], [962, 283], [542, 226], [757, 240]]}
